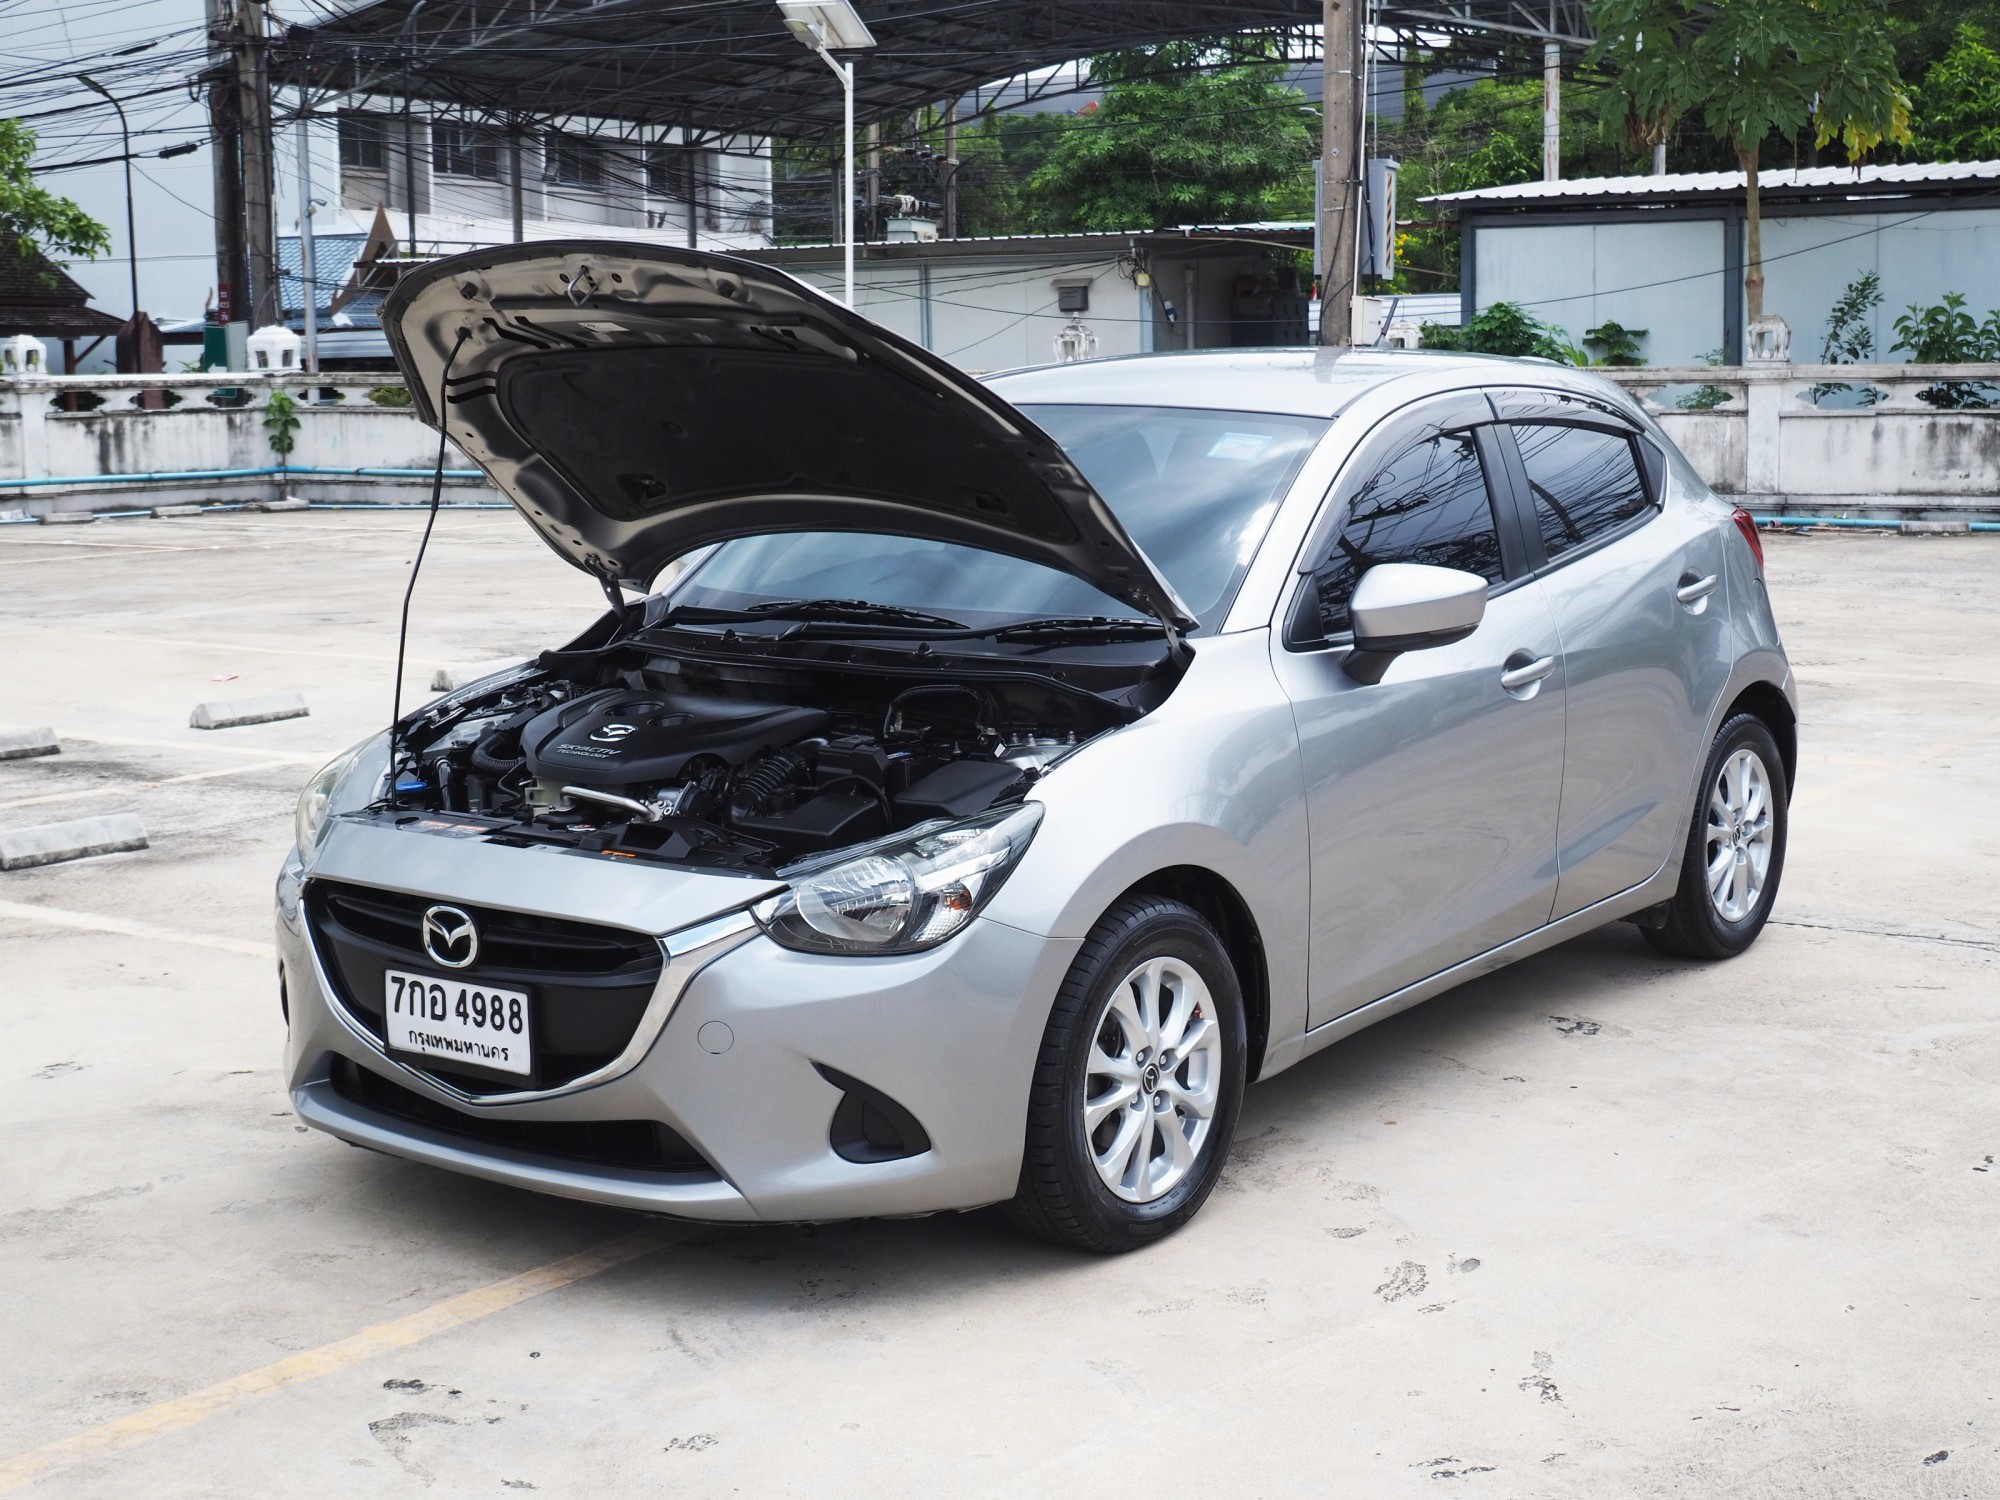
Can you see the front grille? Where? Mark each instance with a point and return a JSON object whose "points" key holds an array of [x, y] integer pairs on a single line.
{"points": [[636, 1145], [588, 985]]}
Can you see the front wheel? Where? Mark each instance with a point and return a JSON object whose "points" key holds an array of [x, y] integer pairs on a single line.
{"points": [[1735, 850], [1138, 1083]]}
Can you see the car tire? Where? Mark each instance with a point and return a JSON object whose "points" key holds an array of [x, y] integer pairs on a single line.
{"points": [[1735, 847], [1152, 978]]}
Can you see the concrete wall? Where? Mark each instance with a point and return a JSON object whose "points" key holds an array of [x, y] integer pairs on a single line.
{"points": [[1779, 450], [71, 457], [1767, 443]]}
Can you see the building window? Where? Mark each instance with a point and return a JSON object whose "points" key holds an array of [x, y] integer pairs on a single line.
{"points": [[575, 161], [666, 171], [466, 151], [364, 142]]}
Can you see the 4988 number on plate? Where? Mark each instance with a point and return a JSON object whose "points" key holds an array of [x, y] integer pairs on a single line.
{"points": [[464, 1023]]}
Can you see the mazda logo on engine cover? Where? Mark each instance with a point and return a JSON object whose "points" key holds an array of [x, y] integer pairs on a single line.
{"points": [[611, 734], [450, 937]]}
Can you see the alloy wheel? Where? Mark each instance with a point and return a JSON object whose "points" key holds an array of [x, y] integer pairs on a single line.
{"points": [[1152, 1080], [1739, 835]]}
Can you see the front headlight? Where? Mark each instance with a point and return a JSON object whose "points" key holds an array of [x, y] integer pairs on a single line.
{"points": [[904, 895], [316, 801]]}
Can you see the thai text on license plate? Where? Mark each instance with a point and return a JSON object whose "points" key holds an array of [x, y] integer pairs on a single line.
{"points": [[452, 1019]]}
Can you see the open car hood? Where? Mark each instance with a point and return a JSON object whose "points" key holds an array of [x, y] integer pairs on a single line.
{"points": [[637, 402]]}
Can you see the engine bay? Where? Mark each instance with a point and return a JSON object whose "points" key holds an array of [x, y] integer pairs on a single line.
{"points": [[736, 762]]}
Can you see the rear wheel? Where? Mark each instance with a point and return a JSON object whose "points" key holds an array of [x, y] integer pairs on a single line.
{"points": [[1138, 1084], [1735, 850]]}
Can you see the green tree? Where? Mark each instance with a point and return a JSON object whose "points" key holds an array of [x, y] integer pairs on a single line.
{"points": [[1189, 132], [1752, 69], [40, 219], [1957, 106]]}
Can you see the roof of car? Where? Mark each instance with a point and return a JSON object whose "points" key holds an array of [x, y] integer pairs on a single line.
{"points": [[1296, 382]]}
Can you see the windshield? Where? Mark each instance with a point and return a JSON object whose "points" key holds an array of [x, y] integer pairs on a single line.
{"points": [[1196, 489]]}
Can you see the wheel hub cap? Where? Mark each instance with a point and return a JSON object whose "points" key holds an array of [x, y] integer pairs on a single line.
{"points": [[1153, 1079], [1740, 835]]}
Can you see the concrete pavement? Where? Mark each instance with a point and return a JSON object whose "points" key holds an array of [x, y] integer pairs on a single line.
{"points": [[1603, 1224]]}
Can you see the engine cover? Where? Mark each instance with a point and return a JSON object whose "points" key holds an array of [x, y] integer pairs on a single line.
{"points": [[625, 737]]}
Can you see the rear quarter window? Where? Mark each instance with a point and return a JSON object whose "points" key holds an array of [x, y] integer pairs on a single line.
{"points": [[1586, 482]]}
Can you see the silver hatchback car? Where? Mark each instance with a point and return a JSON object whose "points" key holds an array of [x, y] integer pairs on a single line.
{"points": [[1011, 771]]}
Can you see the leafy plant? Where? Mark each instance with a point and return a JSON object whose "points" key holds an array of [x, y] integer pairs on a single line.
{"points": [[390, 395], [40, 219], [1849, 339], [1614, 344], [1957, 106], [1751, 69], [1706, 397], [1504, 328], [1946, 334], [281, 424]]}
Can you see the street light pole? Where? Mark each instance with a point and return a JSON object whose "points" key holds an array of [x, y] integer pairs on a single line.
{"points": [[125, 134], [846, 72], [308, 267], [834, 30]]}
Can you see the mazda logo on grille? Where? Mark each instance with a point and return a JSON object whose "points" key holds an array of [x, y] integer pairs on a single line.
{"points": [[450, 937]]}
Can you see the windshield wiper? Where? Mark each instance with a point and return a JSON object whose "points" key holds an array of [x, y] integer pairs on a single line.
{"points": [[1066, 627], [838, 611]]}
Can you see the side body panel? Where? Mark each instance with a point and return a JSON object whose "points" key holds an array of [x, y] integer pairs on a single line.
{"points": [[1432, 801], [1644, 671]]}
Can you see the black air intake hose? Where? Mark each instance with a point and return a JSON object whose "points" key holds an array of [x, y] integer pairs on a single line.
{"points": [[756, 785]]}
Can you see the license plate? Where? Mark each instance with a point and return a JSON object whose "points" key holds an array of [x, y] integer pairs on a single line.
{"points": [[466, 1023]]}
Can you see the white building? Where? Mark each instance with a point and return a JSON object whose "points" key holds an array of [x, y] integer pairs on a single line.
{"points": [[448, 181], [1666, 253]]}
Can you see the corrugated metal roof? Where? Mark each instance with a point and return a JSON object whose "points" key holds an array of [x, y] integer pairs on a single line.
{"points": [[1788, 181], [333, 258]]}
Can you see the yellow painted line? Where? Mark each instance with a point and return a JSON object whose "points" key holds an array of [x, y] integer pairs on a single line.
{"points": [[329, 1359], [83, 921]]}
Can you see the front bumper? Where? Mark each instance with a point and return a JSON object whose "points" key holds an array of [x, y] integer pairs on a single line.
{"points": [[951, 1035]]}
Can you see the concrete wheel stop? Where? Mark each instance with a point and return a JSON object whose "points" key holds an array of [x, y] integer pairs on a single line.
{"points": [[53, 843], [229, 713]]}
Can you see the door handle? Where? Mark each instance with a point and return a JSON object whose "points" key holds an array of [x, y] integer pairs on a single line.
{"points": [[1692, 587], [1530, 671]]}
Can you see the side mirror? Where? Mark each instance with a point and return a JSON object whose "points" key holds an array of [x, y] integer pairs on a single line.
{"points": [[1400, 607]]}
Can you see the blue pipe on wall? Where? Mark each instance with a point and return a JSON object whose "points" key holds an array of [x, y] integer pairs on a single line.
{"points": [[191, 475], [1850, 521]]}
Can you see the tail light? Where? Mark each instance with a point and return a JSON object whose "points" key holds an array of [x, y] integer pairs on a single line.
{"points": [[1747, 524]]}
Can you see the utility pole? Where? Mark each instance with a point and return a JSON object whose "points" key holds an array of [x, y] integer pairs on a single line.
{"points": [[871, 191], [1552, 128], [253, 110], [232, 279], [1340, 169], [951, 170], [308, 266]]}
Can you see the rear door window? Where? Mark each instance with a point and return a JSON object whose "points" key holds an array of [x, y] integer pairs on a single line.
{"points": [[1586, 482], [1430, 504]]}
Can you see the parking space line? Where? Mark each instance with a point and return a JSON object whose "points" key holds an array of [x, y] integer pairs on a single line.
{"points": [[83, 921], [170, 640], [313, 758], [328, 1359], [124, 789]]}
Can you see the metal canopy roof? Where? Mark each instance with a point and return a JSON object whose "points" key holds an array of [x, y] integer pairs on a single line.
{"points": [[1791, 182], [730, 66]]}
